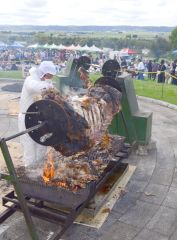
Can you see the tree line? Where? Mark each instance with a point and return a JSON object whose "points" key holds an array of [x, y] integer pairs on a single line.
{"points": [[158, 45]]}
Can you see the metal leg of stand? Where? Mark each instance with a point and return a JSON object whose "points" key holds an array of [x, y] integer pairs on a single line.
{"points": [[18, 191]]}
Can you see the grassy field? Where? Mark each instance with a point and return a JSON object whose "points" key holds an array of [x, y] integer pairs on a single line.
{"points": [[11, 74], [164, 92], [14, 75], [151, 89], [147, 88], [140, 35]]}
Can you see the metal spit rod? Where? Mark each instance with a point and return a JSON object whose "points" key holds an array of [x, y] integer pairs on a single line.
{"points": [[31, 113], [26, 131]]}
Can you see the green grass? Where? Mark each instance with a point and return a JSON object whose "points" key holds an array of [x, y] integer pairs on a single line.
{"points": [[151, 89], [15, 75], [146, 88], [11, 74], [164, 92]]}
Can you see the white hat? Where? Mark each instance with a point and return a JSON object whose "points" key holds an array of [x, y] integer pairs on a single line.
{"points": [[46, 67]]}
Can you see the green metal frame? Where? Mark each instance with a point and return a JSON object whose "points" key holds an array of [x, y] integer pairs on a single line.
{"points": [[132, 123], [14, 180], [12, 177]]}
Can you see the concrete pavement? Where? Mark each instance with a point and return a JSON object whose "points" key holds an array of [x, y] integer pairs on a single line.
{"points": [[148, 211]]}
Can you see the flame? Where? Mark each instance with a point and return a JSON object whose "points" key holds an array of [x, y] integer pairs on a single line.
{"points": [[49, 172], [49, 169], [61, 184], [105, 141]]}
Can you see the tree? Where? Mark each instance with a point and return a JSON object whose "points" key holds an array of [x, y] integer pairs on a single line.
{"points": [[173, 38], [160, 46], [41, 38]]}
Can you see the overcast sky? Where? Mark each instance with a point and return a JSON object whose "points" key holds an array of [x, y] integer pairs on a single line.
{"points": [[89, 12]]}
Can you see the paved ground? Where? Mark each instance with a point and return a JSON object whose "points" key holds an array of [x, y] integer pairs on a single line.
{"points": [[148, 211]]}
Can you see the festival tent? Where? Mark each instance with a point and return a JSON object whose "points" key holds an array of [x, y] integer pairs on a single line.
{"points": [[71, 47], [46, 45], [17, 45], [107, 50], [85, 48], [78, 47], [53, 46], [60, 47], [174, 52], [95, 49], [127, 51], [36, 45], [3, 45]]}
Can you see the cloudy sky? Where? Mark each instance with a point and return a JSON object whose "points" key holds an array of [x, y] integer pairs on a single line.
{"points": [[89, 12]]}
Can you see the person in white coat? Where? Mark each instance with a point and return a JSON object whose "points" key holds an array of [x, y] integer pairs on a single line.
{"points": [[40, 78]]}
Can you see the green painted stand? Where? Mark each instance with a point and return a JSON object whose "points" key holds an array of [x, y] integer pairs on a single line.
{"points": [[70, 77], [132, 123]]}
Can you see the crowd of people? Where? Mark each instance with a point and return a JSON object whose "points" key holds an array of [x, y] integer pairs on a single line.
{"points": [[162, 72], [15, 59], [12, 59]]}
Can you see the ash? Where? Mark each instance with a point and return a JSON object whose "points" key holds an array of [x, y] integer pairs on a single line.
{"points": [[75, 172]]}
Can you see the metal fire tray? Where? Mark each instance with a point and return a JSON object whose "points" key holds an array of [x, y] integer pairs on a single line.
{"points": [[57, 195], [62, 196]]}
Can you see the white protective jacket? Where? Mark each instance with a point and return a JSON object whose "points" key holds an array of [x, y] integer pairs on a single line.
{"points": [[34, 153]]}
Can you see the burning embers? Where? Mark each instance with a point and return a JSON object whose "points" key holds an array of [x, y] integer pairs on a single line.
{"points": [[70, 174], [74, 173], [49, 169], [80, 134]]}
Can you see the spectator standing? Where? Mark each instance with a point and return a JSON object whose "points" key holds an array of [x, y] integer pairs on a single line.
{"points": [[155, 67], [140, 69], [161, 69], [123, 64], [149, 68], [174, 72]]}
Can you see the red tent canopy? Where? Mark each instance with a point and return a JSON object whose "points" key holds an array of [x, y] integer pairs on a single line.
{"points": [[128, 51]]}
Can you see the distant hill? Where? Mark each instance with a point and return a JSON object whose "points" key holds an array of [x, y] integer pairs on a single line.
{"points": [[52, 28]]}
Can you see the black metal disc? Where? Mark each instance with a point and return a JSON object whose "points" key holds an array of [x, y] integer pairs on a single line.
{"points": [[108, 81], [56, 125], [111, 68], [84, 62]]}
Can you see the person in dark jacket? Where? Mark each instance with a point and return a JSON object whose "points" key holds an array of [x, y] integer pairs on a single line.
{"points": [[174, 72], [155, 67], [161, 69], [149, 68]]}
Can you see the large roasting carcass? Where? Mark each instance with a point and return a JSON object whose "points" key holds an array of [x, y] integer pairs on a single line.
{"points": [[76, 129], [73, 124]]}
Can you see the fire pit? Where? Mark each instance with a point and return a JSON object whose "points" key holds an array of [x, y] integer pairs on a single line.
{"points": [[76, 128], [70, 182]]}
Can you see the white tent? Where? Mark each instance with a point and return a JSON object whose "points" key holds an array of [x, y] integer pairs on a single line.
{"points": [[71, 47], [53, 46], [3, 45], [60, 47], [46, 45], [78, 47], [85, 48], [107, 50], [17, 45], [36, 45], [95, 49]]}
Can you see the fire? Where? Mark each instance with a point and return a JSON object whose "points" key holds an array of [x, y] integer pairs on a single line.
{"points": [[49, 169], [49, 172], [61, 184], [71, 175], [105, 141]]}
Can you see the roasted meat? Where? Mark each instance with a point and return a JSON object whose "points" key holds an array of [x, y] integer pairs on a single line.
{"points": [[88, 117]]}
